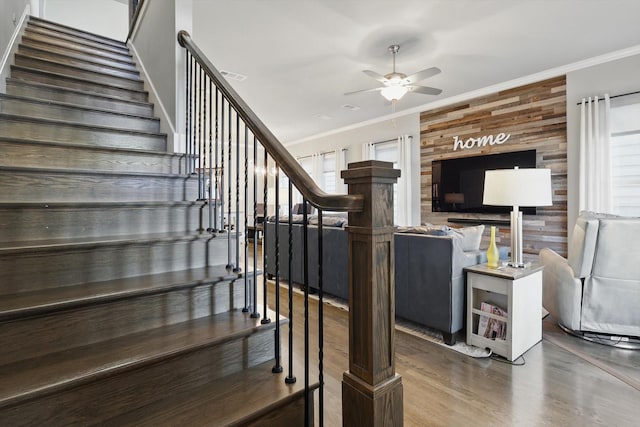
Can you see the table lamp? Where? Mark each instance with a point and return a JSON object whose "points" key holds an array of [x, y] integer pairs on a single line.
{"points": [[517, 187]]}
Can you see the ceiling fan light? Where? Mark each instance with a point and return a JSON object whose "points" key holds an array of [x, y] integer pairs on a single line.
{"points": [[394, 92]]}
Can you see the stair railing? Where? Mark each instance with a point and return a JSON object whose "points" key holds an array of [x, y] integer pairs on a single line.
{"points": [[218, 123]]}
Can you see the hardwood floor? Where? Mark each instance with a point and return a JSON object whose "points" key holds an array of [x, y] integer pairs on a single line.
{"points": [[445, 388]]}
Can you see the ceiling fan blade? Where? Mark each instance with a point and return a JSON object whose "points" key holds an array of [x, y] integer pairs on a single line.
{"points": [[425, 90], [421, 75], [378, 77], [365, 90]]}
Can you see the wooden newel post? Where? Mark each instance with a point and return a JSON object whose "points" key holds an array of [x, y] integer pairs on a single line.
{"points": [[371, 389]]}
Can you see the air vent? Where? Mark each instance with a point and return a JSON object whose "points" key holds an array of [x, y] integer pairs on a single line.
{"points": [[351, 107], [232, 76]]}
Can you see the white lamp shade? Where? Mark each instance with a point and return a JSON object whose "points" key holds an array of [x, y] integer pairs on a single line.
{"points": [[394, 92], [517, 187]]}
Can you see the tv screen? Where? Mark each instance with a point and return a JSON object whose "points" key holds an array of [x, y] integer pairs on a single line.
{"points": [[458, 184]]}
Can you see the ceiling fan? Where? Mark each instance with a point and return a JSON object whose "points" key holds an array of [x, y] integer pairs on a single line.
{"points": [[395, 85]]}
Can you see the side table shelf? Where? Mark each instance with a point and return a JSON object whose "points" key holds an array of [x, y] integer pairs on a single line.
{"points": [[518, 291]]}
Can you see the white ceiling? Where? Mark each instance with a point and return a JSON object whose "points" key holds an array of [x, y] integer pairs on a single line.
{"points": [[301, 56]]}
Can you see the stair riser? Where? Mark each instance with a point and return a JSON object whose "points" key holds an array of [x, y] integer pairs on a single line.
{"points": [[26, 224], [39, 38], [47, 269], [98, 401], [82, 73], [79, 84], [23, 186], [76, 33], [83, 135], [40, 110], [21, 88], [86, 63], [75, 41], [40, 335], [34, 155]]}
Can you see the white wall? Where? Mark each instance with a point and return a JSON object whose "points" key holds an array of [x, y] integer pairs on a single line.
{"points": [[109, 18], [11, 12], [614, 77], [162, 61], [353, 139]]}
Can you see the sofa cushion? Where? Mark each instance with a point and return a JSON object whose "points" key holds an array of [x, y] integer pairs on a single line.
{"points": [[468, 237], [331, 221], [431, 230]]}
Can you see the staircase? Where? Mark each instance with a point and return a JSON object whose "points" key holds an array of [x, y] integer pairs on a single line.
{"points": [[115, 304]]}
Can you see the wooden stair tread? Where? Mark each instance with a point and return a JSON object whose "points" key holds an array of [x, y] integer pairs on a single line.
{"points": [[76, 91], [35, 377], [77, 79], [19, 169], [88, 242], [54, 122], [62, 27], [42, 47], [233, 400], [48, 300], [72, 68], [76, 107], [41, 22], [79, 41], [97, 148]]}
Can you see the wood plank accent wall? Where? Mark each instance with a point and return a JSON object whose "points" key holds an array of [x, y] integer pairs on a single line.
{"points": [[535, 116]]}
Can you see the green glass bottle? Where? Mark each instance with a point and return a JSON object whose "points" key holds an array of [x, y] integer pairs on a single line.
{"points": [[493, 255]]}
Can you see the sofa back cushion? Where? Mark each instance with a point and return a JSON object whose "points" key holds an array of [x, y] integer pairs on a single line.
{"points": [[617, 250], [583, 242]]}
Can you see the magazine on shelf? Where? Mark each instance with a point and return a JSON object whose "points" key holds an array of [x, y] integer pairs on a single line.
{"points": [[492, 328]]}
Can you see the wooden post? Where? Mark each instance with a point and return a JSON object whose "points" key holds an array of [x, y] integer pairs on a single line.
{"points": [[371, 390]]}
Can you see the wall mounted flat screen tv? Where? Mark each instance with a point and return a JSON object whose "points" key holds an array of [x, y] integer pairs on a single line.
{"points": [[458, 184]]}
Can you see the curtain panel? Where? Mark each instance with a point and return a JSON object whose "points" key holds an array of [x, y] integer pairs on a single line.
{"points": [[595, 189]]}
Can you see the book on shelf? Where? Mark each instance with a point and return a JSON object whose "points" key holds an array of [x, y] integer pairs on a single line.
{"points": [[489, 327]]}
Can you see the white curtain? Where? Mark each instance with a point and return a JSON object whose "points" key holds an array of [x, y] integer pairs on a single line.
{"points": [[316, 169], [595, 159], [368, 151], [341, 164], [404, 182]]}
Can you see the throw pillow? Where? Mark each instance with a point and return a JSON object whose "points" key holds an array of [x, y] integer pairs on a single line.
{"points": [[468, 237], [431, 230], [331, 221]]}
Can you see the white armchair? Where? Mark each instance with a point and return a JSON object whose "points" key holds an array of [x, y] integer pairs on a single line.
{"points": [[598, 288]]}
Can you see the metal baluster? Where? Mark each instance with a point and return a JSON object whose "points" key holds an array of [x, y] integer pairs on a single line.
{"points": [[237, 268], [230, 176], [290, 379], [210, 184], [216, 169], [222, 102], [246, 219], [187, 112], [199, 134], [320, 320], [193, 134], [278, 367], [265, 319], [187, 141], [255, 313], [305, 279]]}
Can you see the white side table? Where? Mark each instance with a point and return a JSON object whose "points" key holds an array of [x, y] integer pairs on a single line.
{"points": [[516, 290]]}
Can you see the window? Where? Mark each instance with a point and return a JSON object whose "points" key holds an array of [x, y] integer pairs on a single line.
{"points": [[388, 152], [328, 166], [322, 168], [625, 158]]}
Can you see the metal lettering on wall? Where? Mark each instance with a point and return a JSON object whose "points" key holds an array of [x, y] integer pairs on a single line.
{"points": [[482, 141]]}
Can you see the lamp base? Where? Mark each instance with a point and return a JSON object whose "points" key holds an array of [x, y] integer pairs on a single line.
{"points": [[518, 264]]}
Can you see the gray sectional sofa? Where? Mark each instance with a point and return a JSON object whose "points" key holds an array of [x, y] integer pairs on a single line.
{"points": [[429, 278]]}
